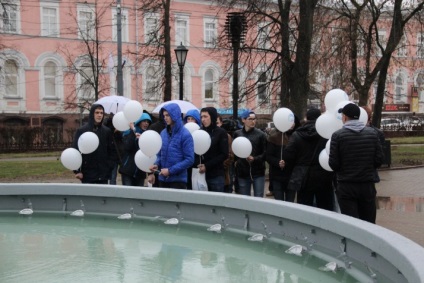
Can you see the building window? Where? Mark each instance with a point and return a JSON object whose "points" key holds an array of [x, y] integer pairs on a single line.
{"points": [[11, 77], [420, 84], [262, 88], [420, 45], [210, 32], [381, 44], [49, 20], [263, 36], [400, 88], [124, 25], [86, 23], [151, 28], [9, 14], [50, 80], [52, 131], [402, 47], [209, 82], [86, 82], [151, 84], [182, 31]]}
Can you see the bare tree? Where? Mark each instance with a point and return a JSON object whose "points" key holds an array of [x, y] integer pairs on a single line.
{"points": [[87, 70], [370, 53], [279, 44]]}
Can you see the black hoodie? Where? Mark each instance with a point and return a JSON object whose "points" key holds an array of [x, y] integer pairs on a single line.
{"points": [[97, 166], [218, 151]]}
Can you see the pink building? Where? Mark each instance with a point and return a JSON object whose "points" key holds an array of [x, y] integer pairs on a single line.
{"points": [[45, 69]]}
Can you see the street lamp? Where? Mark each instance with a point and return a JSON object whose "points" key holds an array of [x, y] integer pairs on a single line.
{"points": [[181, 53]]}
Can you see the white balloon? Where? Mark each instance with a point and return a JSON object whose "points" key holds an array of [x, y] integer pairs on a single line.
{"points": [[143, 161], [327, 124], [120, 122], [192, 127], [334, 97], [363, 117], [241, 147], [88, 142], [133, 110], [323, 160], [341, 104], [71, 159], [202, 141], [150, 142], [327, 147], [283, 119]]}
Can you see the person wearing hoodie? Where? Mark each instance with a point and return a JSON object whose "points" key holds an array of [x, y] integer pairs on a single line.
{"points": [[192, 116], [303, 152], [211, 163], [177, 152], [131, 175], [97, 166], [355, 154]]}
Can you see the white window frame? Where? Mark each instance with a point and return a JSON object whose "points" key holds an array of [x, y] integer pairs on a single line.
{"points": [[382, 38], [210, 32], [264, 85], [50, 27], [402, 50], [155, 93], [81, 81], [151, 31], [179, 37], [263, 36], [403, 87], [83, 31], [13, 78], [209, 84], [124, 25], [58, 81], [13, 9], [420, 45]]}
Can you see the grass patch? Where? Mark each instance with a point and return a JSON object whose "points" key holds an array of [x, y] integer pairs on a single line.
{"points": [[30, 154], [33, 169], [404, 155], [407, 140]]}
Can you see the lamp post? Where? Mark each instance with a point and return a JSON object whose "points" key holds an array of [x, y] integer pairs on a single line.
{"points": [[181, 53]]}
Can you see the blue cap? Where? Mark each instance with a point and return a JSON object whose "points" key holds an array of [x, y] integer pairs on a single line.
{"points": [[246, 114]]}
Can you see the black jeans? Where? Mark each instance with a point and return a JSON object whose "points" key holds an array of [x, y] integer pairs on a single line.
{"points": [[173, 185], [358, 200]]}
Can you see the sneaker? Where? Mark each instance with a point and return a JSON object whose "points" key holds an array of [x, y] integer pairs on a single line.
{"points": [[269, 194]]}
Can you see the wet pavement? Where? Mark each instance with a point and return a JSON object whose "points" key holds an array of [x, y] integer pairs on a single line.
{"points": [[400, 197]]}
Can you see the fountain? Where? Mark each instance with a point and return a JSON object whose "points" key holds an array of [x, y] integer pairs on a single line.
{"points": [[366, 252]]}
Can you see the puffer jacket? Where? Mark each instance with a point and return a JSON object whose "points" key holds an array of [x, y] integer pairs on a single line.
{"points": [[303, 149], [97, 166], [177, 152], [355, 153], [257, 167]]}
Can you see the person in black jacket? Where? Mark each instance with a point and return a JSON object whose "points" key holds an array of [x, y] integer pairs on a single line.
{"points": [[251, 170], [130, 173], [303, 151], [279, 175], [355, 153], [212, 161], [97, 166]]}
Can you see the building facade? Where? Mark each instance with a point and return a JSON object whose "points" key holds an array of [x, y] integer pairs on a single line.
{"points": [[48, 48]]}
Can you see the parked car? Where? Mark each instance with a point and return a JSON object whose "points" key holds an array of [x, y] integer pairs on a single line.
{"points": [[392, 124], [415, 121]]}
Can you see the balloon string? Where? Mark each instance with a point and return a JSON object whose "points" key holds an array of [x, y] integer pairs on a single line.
{"points": [[282, 145]]}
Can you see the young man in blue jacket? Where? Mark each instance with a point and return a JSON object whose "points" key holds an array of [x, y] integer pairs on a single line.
{"points": [[177, 152]]}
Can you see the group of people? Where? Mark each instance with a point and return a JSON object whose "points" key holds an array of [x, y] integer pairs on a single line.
{"points": [[295, 173]]}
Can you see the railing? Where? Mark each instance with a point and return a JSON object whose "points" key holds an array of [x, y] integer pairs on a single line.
{"points": [[24, 147]]}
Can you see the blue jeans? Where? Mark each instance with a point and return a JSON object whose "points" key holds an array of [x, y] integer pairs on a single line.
{"points": [[258, 186], [216, 184], [132, 181]]}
